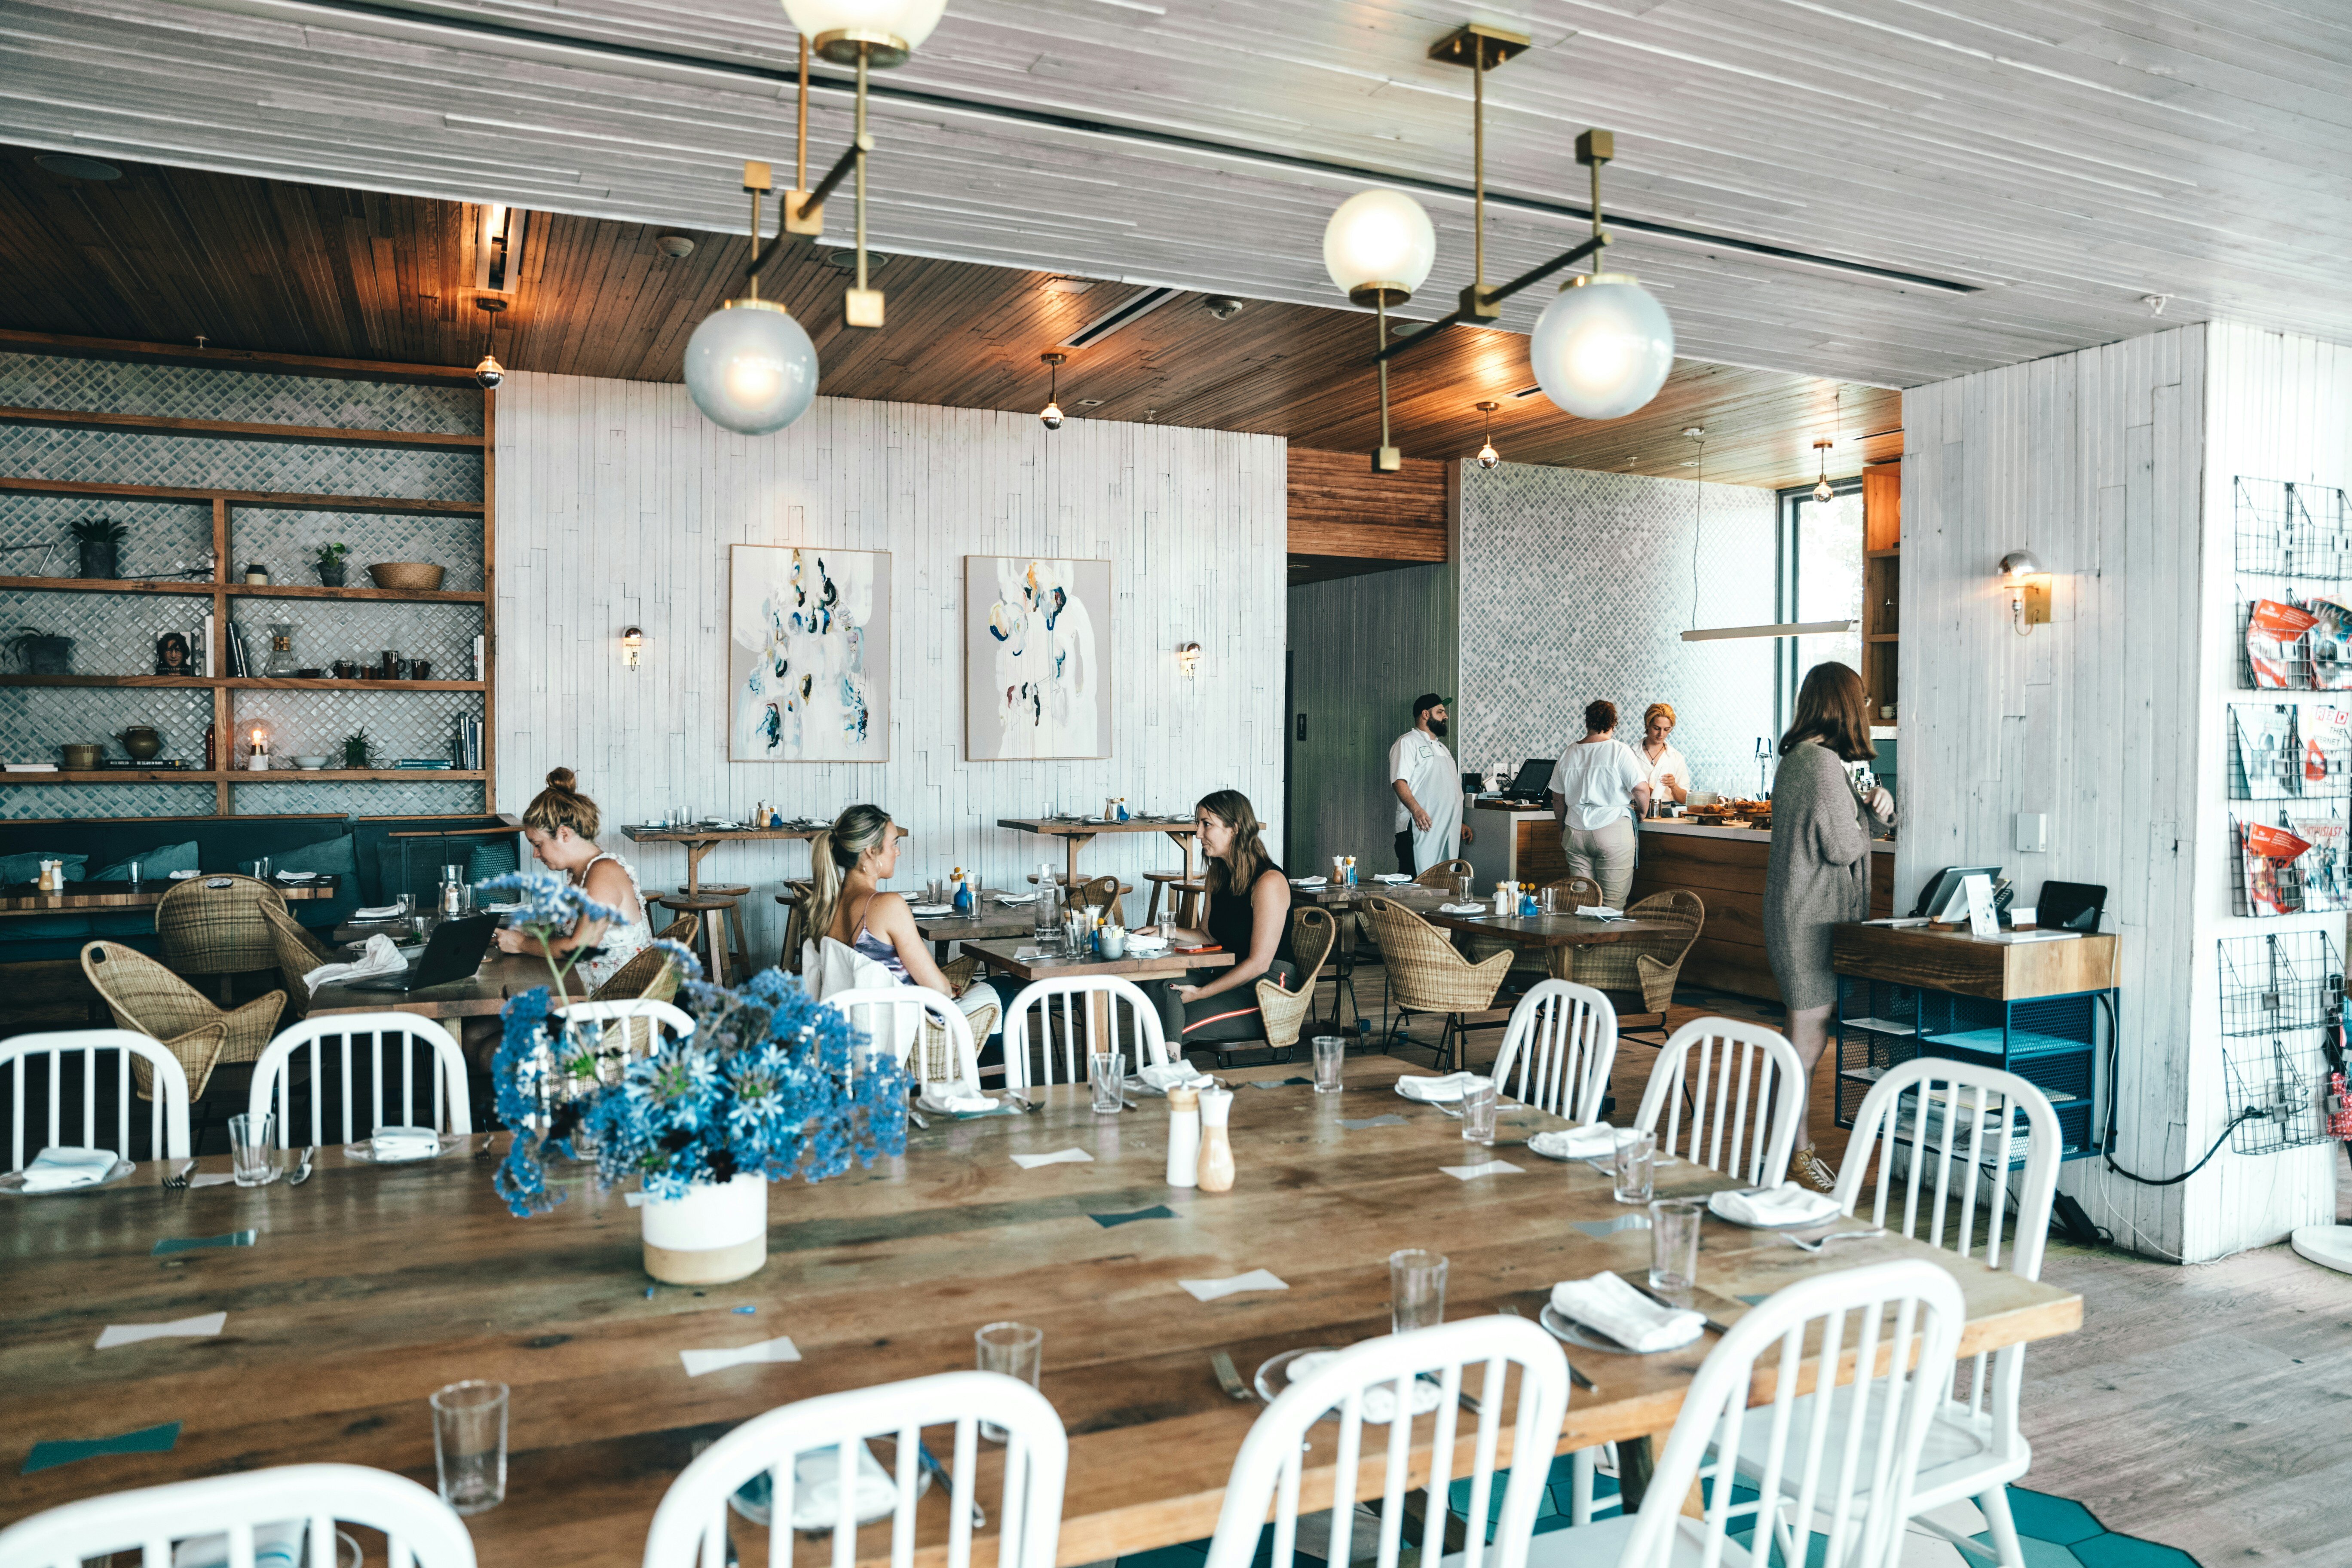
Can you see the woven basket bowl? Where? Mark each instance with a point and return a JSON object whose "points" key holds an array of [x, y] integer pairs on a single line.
{"points": [[416, 576]]}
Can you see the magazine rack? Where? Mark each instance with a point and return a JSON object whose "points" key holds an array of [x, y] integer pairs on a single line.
{"points": [[2290, 529]]}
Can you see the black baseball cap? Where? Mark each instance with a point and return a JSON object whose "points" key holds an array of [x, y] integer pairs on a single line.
{"points": [[1425, 701]]}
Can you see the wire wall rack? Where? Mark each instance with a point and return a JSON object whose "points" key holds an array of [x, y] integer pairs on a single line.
{"points": [[2279, 1089], [2290, 529], [2273, 983]]}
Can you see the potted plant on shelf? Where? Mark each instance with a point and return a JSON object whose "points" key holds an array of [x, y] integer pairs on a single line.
{"points": [[771, 1085], [331, 564], [101, 544], [355, 749], [42, 653]]}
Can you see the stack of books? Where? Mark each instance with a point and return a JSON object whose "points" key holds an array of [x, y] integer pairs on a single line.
{"points": [[130, 764], [423, 764], [465, 744], [29, 767]]}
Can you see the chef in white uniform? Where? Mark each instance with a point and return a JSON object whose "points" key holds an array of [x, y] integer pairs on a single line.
{"points": [[1428, 787]]}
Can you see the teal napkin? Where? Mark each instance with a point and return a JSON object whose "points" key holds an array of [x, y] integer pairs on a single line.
{"points": [[64, 1451], [190, 1243], [1157, 1211]]}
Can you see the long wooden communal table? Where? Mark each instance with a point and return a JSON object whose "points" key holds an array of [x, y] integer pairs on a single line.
{"points": [[371, 1286], [482, 994], [27, 898]]}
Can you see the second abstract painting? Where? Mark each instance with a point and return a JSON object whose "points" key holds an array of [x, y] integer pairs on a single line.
{"points": [[808, 660], [1036, 657]]}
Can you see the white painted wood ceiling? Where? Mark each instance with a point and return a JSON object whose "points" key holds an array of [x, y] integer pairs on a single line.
{"points": [[2058, 159]]}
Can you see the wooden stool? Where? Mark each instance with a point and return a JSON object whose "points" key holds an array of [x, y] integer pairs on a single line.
{"points": [[794, 897], [732, 892], [714, 913], [1184, 907]]}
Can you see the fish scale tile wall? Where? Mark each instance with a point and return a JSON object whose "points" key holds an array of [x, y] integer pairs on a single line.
{"points": [[50, 381]]}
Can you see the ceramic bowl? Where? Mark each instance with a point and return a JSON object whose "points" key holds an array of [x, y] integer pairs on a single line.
{"points": [[309, 763]]}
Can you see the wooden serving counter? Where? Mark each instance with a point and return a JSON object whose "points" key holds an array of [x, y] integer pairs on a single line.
{"points": [[1725, 867]]}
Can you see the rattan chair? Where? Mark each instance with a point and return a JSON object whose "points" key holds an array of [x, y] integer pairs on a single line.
{"points": [[144, 995], [1096, 893], [1638, 974], [208, 930], [651, 976], [1313, 935], [299, 952], [1427, 975], [1441, 875]]}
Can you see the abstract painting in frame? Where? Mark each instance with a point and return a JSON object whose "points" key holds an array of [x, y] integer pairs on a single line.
{"points": [[808, 655], [1036, 657]]}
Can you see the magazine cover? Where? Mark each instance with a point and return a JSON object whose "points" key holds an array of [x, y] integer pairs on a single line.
{"points": [[2322, 864], [2269, 857], [2326, 737], [2273, 632], [2331, 643], [2270, 757]]}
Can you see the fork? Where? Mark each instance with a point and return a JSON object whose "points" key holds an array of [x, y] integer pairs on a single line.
{"points": [[1816, 1245], [487, 1145], [923, 1453], [1444, 1110], [1223, 1362], [179, 1183]]}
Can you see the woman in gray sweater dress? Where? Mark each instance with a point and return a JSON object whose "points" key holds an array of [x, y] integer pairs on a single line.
{"points": [[1819, 873]]}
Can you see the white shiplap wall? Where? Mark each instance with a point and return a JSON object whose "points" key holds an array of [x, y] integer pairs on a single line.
{"points": [[617, 502], [2111, 465]]}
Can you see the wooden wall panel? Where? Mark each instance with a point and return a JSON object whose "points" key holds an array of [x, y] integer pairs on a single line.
{"points": [[1882, 506], [1340, 507], [616, 505]]}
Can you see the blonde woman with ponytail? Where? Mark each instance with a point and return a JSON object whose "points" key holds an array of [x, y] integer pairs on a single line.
{"points": [[848, 863], [561, 824]]}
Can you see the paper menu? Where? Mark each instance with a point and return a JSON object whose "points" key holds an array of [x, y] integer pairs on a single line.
{"points": [[1982, 919]]}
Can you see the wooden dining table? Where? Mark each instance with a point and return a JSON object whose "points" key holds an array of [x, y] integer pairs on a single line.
{"points": [[27, 898], [369, 1287], [482, 994], [1077, 832], [1551, 930]]}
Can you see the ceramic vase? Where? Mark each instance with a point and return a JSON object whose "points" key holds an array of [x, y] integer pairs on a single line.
{"points": [[715, 1234]]}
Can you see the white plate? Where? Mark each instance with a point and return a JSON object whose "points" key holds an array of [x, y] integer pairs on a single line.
{"points": [[1832, 1217], [930, 908], [365, 1152], [14, 1183], [1577, 1334], [1274, 1376]]}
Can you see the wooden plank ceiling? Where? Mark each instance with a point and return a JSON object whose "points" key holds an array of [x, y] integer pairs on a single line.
{"points": [[1881, 191], [165, 255]]}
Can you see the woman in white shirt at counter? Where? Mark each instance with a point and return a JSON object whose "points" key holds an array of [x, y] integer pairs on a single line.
{"points": [[1669, 774], [1596, 787]]}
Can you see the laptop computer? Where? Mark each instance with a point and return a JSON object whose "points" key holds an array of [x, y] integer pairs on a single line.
{"points": [[1533, 781], [453, 953]]}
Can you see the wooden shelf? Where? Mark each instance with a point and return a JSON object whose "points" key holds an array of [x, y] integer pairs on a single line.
{"points": [[206, 588], [286, 501], [115, 775], [255, 359], [1882, 637], [235, 430], [1881, 554], [241, 683], [240, 775], [203, 586]]}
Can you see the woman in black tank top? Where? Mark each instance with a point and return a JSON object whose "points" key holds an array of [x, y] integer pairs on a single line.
{"points": [[1248, 915]]}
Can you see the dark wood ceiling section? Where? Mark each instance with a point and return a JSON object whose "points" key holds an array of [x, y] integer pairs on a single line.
{"points": [[1346, 519], [167, 254]]}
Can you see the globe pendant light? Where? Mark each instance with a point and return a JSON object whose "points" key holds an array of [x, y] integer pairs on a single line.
{"points": [[1051, 414], [1379, 247], [1487, 456], [750, 367], [1824, 492], [890, 30], [489, 372], [1602, 347]]}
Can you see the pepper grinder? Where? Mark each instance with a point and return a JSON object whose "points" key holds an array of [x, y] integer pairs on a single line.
{"points": [[1216, 1147], [1183, 1138]]}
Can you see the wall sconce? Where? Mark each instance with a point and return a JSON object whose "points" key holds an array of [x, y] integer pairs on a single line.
{"points": [[1188, 659], [2029, 592], [633, 643]]}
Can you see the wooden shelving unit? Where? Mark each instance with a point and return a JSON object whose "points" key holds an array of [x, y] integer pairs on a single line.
{"points": [[221, 589], [1882, 583]]}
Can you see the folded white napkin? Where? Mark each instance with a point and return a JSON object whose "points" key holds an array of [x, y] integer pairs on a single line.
{"points": [[816, 1488], [1787, 1203], [954, 1099], [930, 908], [1174, 1075], [1600, 913], [385, 913], [1256, 1279], [1462, 909], [380, 958], [1058, 1157], [778, 1349], [1136, 946], [1484, 1168], [1017, 897], [1378, 1403], [60, 1167], [404, 1144], [1308, 882], [184, 876], [1624, 1314], [297, 876], [115, 1334], [1597, 1141], [1436, 1091], [1391, 878]]}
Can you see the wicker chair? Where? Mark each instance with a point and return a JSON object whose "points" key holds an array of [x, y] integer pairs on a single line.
{"points": [[1638, 974], [1427, 975], [299, 952], [209, 930], [1441, 875], [1313, 936], [1096, 893], [144, 995]]}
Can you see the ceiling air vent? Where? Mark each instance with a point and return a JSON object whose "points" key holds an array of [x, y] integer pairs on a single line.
{"points": [[1134, 307]]}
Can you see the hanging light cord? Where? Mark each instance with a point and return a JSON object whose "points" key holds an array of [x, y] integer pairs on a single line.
{"points": [[1699, 514]]}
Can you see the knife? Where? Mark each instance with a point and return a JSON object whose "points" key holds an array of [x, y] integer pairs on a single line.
{"points": [[1669, 1306]]}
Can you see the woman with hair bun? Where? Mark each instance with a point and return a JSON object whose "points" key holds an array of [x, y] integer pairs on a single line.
{"points": [[561, 824]]}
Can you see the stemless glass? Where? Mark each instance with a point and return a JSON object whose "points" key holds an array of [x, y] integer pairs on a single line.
{"points": [[249, 1148], [135, 877], [1416, 1290], [1674, 1245], [469, 1444], [1330, 1057], [1636, 1156], [1478, 1099], [1547, 900], [1017, 1351], [1109, 1069], [1466, 889]]}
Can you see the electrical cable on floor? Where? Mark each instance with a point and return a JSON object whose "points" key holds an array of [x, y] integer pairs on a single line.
{"points": [[2114, 1060]]}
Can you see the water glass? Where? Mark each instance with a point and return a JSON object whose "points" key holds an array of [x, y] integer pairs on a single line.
{"points": [[1547, 900], [1015, 1349], [1466, 889], [1109, 1069], [1416, 1290], [1674, 1245], [1636, 1157], [250, 1153], [1478, 1099], [258, 869], [469, 1444], [935, 891], [135, 877], [1330, 1057]]}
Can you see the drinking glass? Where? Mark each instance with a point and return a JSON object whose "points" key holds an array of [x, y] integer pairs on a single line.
{"points": [[249, 1148], [1636, 1156], [1478, 1098], [135, 877], [935, 891], [1466, 889], [1674, 1245], [1416, 1290], [259, 870], [1017, 1351], [1547, 900], [469, 1444], [1330, 1057], [1109, 1069]]}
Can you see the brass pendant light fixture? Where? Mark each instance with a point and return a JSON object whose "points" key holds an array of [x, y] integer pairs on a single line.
{"points": [[489, 372], [1487, 456], [1051, 414], [1824, 491]]}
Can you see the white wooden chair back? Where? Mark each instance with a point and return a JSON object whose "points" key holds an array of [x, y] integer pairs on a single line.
{"points": [[690, 1525], [1559, 1049], [376, 1057], [1835, 1461], [167, 1112], [1265, 1474], [1947, 1179], [420, 1530], [643, 1022], [1741, 1090], [894, 1017], [1081, 1026]]}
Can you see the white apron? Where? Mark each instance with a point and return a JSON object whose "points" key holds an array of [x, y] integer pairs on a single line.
{"points": [[1436, 783]]}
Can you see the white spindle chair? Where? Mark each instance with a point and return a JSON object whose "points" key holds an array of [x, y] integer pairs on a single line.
{"points": [[1744, 1100], [643, 1020], [692, 1517], [1845, 1480], [167, 1112], [1089, 1022], [1561, 1041], [895, 1017], [1951, 1187], [1265, 1472], [420, 1530], [443, 1101]]}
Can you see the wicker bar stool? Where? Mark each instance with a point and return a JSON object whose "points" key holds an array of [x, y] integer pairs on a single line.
{"points": [[734, 893], [716, 953]]}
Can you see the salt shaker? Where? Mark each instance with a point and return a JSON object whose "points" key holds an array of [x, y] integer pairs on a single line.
{"points": [[1216, 1148], [1505, 900], [1184, 1138]]}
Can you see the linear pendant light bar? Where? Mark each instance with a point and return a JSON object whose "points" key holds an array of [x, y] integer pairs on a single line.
{"points": [[1784, 629]]}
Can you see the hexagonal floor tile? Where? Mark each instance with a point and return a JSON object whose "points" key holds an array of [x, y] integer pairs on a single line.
{"points": [[2124, 1551], [2054, 1518]]}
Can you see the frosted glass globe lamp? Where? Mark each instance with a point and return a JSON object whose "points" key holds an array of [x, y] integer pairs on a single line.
{"points": [[1602, 347], [890, 30], [750, 368], [1379, 247]]}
